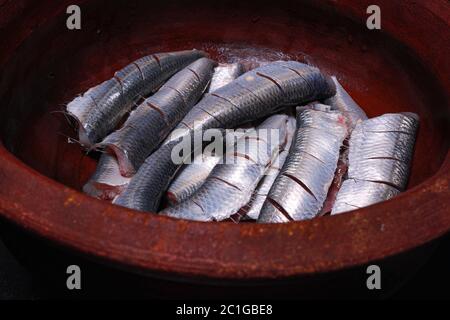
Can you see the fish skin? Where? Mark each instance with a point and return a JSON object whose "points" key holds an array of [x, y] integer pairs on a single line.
{"points": [[191, 177], [100, 109], [300, 189], [147, 186], [261, 192], [152, 121], [344, 103], [151, 180], [247, 98], [106, 182], [231, 184], [349, 198], [224, 74], [256, 94], [380, 155]]}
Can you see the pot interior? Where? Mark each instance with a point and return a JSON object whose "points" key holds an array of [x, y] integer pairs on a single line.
{"points": [[54, 64]]}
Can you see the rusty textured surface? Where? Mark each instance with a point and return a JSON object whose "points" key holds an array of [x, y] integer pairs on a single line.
{"points": [[403, 68]]}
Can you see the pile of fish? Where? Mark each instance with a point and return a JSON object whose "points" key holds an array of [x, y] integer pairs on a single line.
{"points": [[326, 157]]}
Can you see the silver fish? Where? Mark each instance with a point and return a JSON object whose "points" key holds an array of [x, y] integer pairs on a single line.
{"points": [[230, 184], [380, 154], [344, 103], [224, 74], [191, 178], [256, 94], [253, 95], [355, 194], [106, 182], [153, 120], [300, 190], [150, 182], [99, 110], [261, 192]]}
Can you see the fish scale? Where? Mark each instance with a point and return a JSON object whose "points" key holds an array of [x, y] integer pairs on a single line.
{"points": [[299, 192], [291, 87], [142, 194], [396, 145], [380, 154], [312, 173], [349, 195], [261, 100], [193, 175], [251, 95], [294, 201], [381, 170], [100, 109], [264, 91], [261, 192], [127, 77], [170, 105], [230, 185], [202, 118], [259, 196], [153, 120], [317, 85], [322, 149], [397, 122], [191, 178]]}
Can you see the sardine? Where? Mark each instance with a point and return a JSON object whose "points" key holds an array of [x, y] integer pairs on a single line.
{"points": [[151, 180], [356, 194], [153, 120], [253, 95], [344, 103], [300, 189], [224, 74], [231, 184], [256, 94], [99, 110], [191, 178], [106, 182], [259, 196], [380, 154]]}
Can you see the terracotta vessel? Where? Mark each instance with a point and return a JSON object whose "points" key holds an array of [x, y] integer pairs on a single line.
{"points": [[402, 67]]}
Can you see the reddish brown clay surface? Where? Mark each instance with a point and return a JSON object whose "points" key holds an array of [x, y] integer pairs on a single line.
{"points": [[404, 67]]}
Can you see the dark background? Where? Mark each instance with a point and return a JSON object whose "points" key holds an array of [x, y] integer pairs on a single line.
{"points": [[431, 281]]}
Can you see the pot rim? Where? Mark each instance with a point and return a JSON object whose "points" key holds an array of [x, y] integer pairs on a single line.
{"points": [[155, 243], [148, 242]]}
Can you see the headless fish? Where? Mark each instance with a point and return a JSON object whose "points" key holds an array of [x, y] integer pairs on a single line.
{"points": [[344, 103], [147, 186], [152, 121], [230, 184], [261, 192], [191, 178], [380, 154], [106, 182], [224, 74], [251, 96], [256, 94], [100, 109], [300, 189]]}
